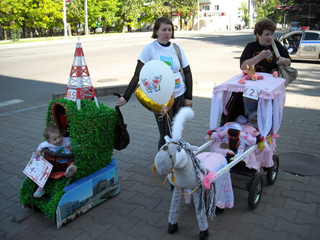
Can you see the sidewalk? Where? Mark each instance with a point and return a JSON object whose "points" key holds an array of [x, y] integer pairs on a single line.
{"points": [[288, 210]]}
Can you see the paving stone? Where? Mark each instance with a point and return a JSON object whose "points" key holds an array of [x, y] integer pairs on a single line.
{"points": [[298, 196], [288, 210], [142, 230], [146, 215], [95, 228], [302, 230], [305, 218], [31, 233], [292, 204], [289, 215], [86, 236], [18, 212], [311, 198], [267, 222], [10, 228], [266, 234], [114, 233], [315, 233]]}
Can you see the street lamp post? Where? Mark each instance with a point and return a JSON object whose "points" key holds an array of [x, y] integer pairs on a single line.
{"points": [[198, 17], [65, 19], [86, 17]]}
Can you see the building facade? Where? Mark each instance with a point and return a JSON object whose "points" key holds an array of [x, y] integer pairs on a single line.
{"points": [[220, 15]]}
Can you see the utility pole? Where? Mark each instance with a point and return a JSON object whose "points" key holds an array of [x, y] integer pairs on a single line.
{"points": [[86, 17], [198, 17], [65, 19]]}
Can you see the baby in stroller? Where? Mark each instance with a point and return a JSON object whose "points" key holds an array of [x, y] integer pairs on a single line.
{"points": [[56, 143], [232, 138]]}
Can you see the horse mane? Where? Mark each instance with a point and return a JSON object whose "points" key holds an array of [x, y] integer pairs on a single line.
{"points": [[184, 114]]}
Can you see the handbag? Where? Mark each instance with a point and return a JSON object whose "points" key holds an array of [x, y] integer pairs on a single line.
{"points": [[122, 138], [286, 72], [180, 60]]}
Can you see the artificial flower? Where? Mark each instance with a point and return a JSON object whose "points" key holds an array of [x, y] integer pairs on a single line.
{"points": [[254, 77], [260, 77], [275, 74], [242, 81], [210, 177], [244, 72]]}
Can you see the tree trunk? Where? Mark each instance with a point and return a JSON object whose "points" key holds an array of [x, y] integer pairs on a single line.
{"points": [[5, 35]]}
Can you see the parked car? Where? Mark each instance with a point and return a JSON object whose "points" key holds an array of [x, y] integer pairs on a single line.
{"points": [[295, 26], [302, 44]]}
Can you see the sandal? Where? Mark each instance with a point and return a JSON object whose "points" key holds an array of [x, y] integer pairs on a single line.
{"points": [[39, 192], [71, 170]]}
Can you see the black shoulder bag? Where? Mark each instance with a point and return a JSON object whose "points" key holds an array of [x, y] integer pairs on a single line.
{"points": [[122, 138]]}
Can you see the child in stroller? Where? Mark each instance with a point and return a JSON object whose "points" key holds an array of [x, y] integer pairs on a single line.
{"points": [[56, 143], [232, 138]]}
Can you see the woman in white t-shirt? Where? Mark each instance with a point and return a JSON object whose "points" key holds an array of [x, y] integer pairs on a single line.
{"points": [[162, 49]]}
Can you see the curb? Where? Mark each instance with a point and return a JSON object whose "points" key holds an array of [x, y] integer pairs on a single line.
{"points": [[100, 91]]}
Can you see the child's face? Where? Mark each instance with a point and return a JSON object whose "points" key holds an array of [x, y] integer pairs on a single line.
{"points": [[55, 138]]}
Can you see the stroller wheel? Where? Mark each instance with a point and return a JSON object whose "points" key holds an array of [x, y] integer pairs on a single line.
{"points": [[272, 172], [255, 191]]}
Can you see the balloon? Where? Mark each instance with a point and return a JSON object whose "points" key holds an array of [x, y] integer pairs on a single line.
{"points": [[151, 105], [157, 81]]}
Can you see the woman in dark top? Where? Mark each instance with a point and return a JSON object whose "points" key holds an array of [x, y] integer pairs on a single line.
{"points": [[260, 52]]}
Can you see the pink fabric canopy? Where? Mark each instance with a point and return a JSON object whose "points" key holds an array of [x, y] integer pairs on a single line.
{"points": [[269, 112]]}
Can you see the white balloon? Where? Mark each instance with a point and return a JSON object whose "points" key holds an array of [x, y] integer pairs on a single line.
{"points": [[157, 81]]}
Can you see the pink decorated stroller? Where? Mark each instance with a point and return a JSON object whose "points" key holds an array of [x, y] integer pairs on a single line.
{"points": [[248, 146]]}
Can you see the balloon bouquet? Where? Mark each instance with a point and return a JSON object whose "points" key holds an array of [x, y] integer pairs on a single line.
{"points": [[156, 87]]}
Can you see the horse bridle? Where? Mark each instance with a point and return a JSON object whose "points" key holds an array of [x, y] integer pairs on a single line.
{"points": [[154, 170]]}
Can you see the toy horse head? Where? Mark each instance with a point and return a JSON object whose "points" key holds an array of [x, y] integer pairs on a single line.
{"points": [[170, 156], [173, 156]]}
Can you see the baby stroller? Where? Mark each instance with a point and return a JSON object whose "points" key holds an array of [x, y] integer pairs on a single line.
{"points": [[231, 105]]}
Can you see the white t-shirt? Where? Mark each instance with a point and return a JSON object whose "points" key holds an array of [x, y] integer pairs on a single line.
{"points": [[64, 148], [168, 55]]}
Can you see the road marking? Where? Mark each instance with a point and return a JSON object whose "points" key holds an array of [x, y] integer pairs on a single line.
{"points": [[11, 102]]}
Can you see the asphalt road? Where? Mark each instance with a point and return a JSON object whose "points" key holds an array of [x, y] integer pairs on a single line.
{"points": [[31, 72]]}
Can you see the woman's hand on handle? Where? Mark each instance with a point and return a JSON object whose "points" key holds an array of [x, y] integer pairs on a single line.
{"points": [[121, 101], [188, 103], [284, 61]]}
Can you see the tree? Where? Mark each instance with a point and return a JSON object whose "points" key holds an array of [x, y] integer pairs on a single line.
{"points": [[75, 15], [152, 10], [108, 16], [129, 12], [305, 11], [187, 10], [268, 9], [42, 15], [245, 16], [11, 15]]}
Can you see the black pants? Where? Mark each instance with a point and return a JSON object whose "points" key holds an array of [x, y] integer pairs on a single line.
{"points": [[163, 123]]}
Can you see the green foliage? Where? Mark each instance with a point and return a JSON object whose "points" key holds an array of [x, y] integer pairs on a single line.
{"points": [[54, 188], [92, 132], [245, 16], [15, 35], [44, 16], [305, 11], [268, 9]]}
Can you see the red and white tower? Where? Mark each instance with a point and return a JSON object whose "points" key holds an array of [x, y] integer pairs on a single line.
{"points": [[79, 84]]}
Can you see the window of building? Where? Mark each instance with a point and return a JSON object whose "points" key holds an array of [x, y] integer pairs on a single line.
{"points": [[216, 7], [206, 7]]}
